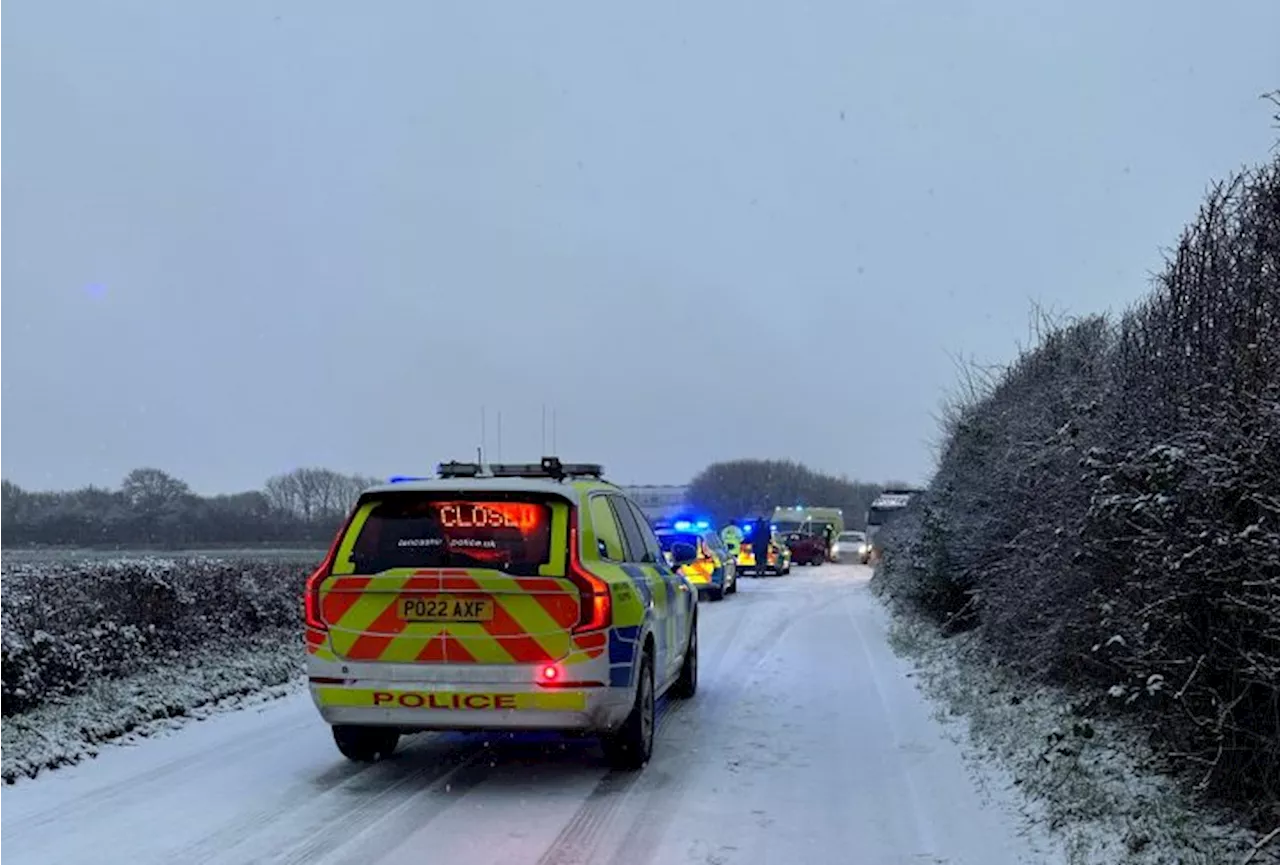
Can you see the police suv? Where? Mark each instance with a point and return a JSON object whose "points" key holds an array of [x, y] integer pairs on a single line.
{"points": [[499, 597]]}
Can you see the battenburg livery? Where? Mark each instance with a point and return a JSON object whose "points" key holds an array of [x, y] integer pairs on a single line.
{"points": [[715, 570], [499, 597]]}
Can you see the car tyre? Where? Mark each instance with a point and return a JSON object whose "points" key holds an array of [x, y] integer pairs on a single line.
{"points": [[631, 745], [687, 684], [365, 744], [716, 593]]}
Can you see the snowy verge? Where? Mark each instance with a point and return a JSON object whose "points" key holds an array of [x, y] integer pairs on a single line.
{"points": [[1092, 782], [213, 679]]}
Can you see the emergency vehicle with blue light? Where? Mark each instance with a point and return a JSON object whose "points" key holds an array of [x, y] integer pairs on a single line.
{"points": [[714, 571], [499, 597], [778, 560]]}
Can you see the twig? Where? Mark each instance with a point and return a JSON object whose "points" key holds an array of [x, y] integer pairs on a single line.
{"points": [[1262, 842]]}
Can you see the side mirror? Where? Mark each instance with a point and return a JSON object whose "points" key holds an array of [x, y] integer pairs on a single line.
{"points": [[683, 554]]}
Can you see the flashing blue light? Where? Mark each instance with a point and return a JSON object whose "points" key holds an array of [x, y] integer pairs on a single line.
{"points": [[703, 524], [683, 525], [404, 479], [746, 528]]}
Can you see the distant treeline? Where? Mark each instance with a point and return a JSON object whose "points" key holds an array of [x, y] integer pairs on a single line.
{"points": [[747, 488], [154, 509]]}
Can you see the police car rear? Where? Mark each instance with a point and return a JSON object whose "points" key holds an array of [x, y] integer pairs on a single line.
{"points": [[714, 571], [466, 602]]}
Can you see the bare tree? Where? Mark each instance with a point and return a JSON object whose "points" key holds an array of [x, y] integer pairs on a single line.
{"points": [[315, 493]]}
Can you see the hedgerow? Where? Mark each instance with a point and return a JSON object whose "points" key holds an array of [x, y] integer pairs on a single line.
{"points": [[67, 626], [1107, 509]]}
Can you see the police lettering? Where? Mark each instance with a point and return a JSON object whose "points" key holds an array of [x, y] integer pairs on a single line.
{"points": [[436, 700]]}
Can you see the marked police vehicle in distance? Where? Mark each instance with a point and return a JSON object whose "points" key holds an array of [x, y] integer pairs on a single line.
{"points": [[715, 570], [499, 597], [778, 558]]}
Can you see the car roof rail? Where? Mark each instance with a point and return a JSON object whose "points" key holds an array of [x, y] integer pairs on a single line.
{"points": [[549, 467]]}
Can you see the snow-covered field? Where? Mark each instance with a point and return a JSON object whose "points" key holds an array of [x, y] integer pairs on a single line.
{"points": [[1093, 784], [808, 742]]}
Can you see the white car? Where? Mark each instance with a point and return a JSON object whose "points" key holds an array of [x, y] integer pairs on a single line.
{"points": [[851, 546]]}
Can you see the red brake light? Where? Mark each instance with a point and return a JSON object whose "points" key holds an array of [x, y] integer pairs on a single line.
{"points": [[596, 604]]}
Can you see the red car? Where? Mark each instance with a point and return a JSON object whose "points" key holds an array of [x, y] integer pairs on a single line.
{"points": [[807, 549]]}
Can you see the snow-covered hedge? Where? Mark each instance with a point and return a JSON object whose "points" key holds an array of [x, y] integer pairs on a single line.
{"points": [[68, 626], [1107, 509]]}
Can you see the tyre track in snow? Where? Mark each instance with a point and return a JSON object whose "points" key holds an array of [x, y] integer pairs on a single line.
{"points": [[348, 828], [657, 790], [402, 804], [389, 784], [639, 845], [268, 788]]}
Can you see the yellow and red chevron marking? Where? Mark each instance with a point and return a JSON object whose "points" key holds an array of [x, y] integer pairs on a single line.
{"points": [[318, 644], [747, 557], [699, 571], [531, 624]]}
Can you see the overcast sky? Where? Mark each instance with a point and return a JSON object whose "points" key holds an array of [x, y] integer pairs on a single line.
{"points": [[245, 236]]}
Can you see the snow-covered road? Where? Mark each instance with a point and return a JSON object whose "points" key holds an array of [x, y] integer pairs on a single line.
{"points": [[807, 743]]}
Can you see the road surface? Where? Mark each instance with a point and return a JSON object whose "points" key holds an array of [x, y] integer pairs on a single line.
{"points": [[807, 743]]}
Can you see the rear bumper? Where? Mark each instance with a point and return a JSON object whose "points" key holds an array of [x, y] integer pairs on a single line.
{"points": [[715, 581], [414, 697]]}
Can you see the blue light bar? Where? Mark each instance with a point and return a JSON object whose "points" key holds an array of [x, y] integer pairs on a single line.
{"points": [[404, 479], [703, 524], [683, 525]]}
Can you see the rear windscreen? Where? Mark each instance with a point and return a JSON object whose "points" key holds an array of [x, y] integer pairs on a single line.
{"points": [[668, 541], [417, 531]]}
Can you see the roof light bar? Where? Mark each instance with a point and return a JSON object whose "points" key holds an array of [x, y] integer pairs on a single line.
{"points": [[550, 467], [455, 469]]}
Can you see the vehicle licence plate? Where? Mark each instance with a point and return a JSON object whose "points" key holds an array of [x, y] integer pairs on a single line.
{"points": [[442, 608]]}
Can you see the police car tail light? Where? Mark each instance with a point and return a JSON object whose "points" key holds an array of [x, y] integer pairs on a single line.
{"points": [[311, 602], [595, 602], [550, 673], [311, 592]]}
